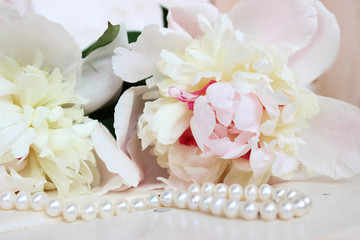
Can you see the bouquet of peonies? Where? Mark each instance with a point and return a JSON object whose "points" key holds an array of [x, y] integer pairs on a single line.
{"points": [[213, 97]]}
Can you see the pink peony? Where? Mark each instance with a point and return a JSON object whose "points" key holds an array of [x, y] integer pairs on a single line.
{"points": [[241, 77]]}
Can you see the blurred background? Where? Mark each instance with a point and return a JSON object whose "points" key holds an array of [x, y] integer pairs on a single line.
{"points": [[86, 20]]}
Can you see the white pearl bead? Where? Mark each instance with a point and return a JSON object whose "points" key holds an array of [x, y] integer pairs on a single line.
{"points": [[300, 207], [235, 191], [278, 194], [231, 209], [166, 198], [265, 192], [122, 206], [292, 194], [180, 199], [251, 192], [22, 201], [70, 212], [308, 202], [54, 207], [106, 209], [153, 201], [221, 190], [217, 206], [208, 188], [88, 211], [193, 201], [194, 188], [268, 211], [38, 201], [7, 200], [249, 211], [138, 204], [205, 202], [286, 210]]}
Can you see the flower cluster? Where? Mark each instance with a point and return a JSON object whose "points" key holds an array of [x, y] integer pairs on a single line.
{"points": [[46, 142], [227, 98]]}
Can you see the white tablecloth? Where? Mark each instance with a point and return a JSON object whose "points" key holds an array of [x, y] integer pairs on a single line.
{"points": [[335, 215]]}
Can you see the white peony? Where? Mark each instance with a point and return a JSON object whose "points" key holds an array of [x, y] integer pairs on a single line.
{"points": [[46, 142]]}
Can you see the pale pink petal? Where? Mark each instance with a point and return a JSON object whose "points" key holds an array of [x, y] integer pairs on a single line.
{"points": [[248, 113], [283, 164], [145, 52], [98, 82], [204, 116], [182, 17], [23, 6], [225, 149], [332, 141], [320, 54], [22, 39], [221, 95], [224, 116], [115, 159], [290, 25], [128, 109], [150, 170]]}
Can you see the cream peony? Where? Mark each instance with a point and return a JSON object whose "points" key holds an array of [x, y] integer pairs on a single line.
{"points": [[46, 142], [229, 92]]}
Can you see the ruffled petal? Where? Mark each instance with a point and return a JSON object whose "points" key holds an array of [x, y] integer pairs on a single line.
{"points": [[182, 17], [320, 54], [22, 39], [290, 25], [332, 142], [98, 82], [115, 160], [145, 52]]}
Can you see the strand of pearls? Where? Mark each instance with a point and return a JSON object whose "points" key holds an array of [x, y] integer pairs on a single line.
{"points": [[232, 201]]}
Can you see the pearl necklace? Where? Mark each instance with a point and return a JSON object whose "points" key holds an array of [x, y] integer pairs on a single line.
{"points": [[221, 200]]}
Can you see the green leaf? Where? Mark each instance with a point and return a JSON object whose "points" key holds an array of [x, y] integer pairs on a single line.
{"points": [[165, 12], [133, 35], [108, 36]]}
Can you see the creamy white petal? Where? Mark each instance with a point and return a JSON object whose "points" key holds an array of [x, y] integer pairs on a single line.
{"points": [[23, 38]]}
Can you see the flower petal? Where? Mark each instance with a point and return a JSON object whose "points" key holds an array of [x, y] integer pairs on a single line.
{"points": [[8, 12], [283, 164], [290, 25], [150, 170], [98, 82], [23, 6], [114, 159], [182, 17], [320, 54], [23, 38], [145, 52], [332, 141], [127, 111], [9, 136]]}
